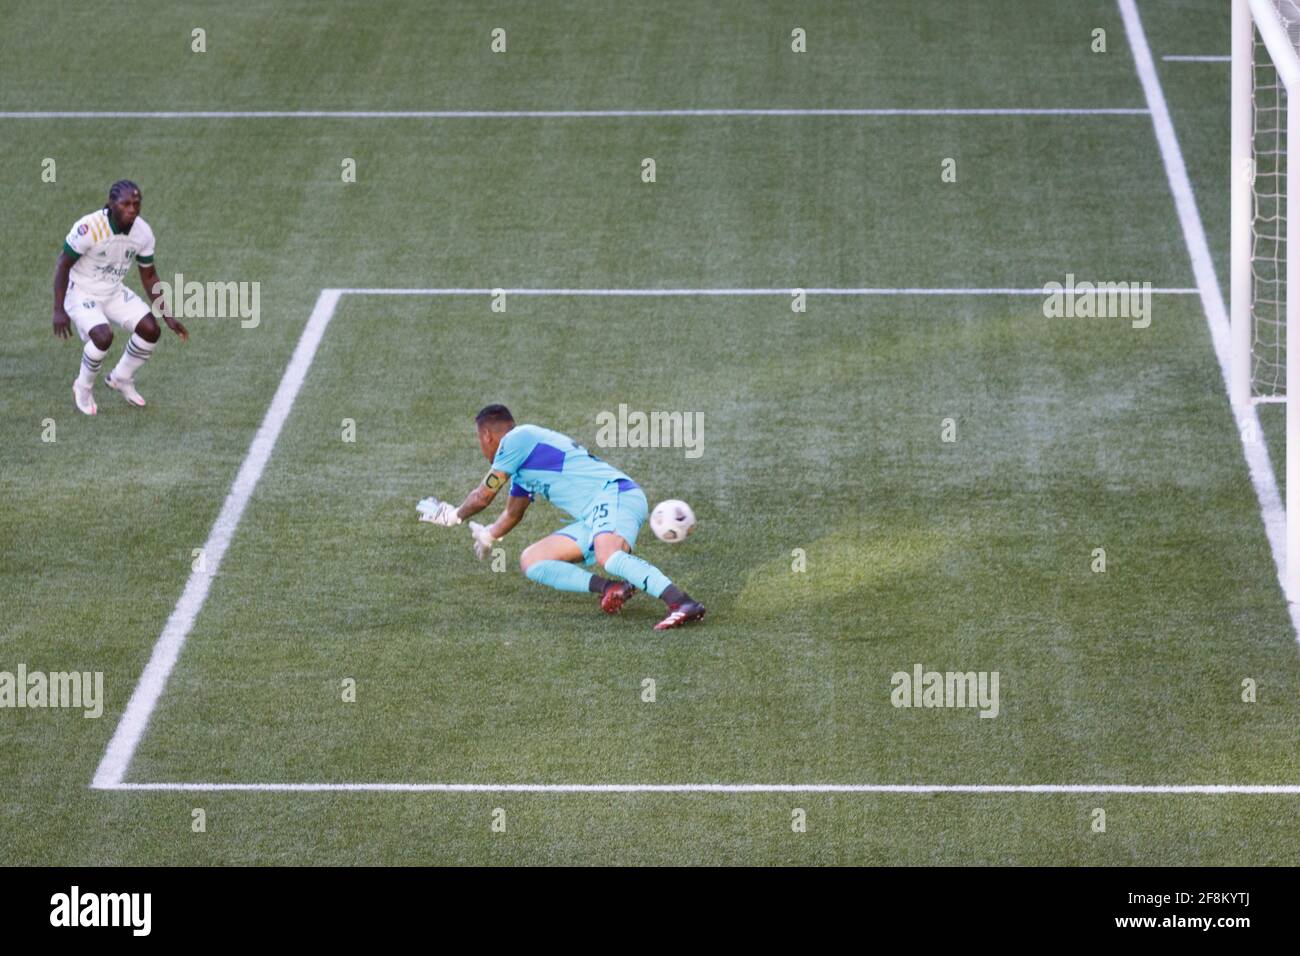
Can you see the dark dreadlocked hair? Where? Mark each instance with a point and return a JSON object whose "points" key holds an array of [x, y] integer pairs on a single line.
{"points": [[121, 188]]}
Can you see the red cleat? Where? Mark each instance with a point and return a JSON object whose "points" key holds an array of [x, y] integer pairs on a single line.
{"points": [[680, 614], [612, 601]]}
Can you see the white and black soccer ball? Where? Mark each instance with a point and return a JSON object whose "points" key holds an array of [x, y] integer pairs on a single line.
{"points": [[672, 520]]}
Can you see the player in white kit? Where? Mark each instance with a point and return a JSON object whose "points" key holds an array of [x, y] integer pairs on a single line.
{"points": [[88, 291]]}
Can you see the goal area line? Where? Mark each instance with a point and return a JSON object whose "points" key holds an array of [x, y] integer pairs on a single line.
{"points": [[134, 721], [786, 291], [625, 788]]}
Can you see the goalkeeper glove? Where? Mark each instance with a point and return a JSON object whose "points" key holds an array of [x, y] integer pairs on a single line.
{"points": [[439, 512], [483, 540]]}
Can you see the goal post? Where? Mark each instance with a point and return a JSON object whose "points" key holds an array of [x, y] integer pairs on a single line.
{"points": [[1264, 317]]}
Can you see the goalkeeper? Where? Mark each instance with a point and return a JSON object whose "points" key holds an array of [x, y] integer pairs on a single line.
{"points": [[608, 507]]}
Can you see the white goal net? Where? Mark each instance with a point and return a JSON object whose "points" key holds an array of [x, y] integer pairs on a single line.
{"points": [[1265, 313], [1267, 170], [1268, 225]]}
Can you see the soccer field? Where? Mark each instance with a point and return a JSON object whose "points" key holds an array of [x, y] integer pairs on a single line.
{"points": [[916, 470]]}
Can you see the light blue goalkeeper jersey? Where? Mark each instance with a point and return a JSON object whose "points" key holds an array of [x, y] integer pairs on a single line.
{"points": [[547, 463]]}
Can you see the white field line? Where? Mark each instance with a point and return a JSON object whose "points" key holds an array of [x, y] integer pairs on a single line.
{"points": [[650, 293], [1246, 417], [554, 114], [166, 651], [1197, 59], [718, 788]]}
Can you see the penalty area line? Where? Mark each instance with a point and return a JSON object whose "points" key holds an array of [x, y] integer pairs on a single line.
{"points": [[1205, 789], [560, 114]]}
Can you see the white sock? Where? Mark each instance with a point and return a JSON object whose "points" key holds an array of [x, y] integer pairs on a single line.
{"points": [[91, 360], [136, 354]]}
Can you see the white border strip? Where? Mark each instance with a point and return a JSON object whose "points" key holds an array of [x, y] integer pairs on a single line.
{"points": [[1216, 316], [1197, 59], [554, 114], [716, 788]]}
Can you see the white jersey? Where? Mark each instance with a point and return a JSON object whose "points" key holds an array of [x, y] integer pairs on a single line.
{"points": [[103, 254]]}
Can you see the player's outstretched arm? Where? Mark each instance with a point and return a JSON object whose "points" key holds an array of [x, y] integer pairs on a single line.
{"points": [[157, 304], [441, 512], [516, 505], [482, 496], [484, 538], [62, 324]]}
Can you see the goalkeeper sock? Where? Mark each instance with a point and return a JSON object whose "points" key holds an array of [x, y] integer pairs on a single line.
{"points": [[92, 358], [673, 596], [136, 354], [641, 574], [560, 575]]}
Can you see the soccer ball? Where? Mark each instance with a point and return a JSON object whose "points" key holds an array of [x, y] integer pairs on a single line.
{"points": [[672, 520]]}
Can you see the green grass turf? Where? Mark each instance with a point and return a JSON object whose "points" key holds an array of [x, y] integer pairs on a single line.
{"points": [[822, 432]]}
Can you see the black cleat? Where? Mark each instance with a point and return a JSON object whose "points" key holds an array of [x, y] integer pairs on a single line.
{"points": [[680, 614]]}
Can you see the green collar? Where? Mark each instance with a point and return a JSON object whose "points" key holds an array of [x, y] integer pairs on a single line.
{"points": [[112, 223]]}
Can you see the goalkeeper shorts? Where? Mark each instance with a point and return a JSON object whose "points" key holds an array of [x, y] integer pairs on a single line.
{"points": [[620, 508]]}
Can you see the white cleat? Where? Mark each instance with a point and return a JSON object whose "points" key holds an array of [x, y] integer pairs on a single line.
{"points": [[84, 396], [126, 388]]}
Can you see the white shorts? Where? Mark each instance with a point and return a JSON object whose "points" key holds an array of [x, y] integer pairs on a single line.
{"points": [[123, 308]]}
